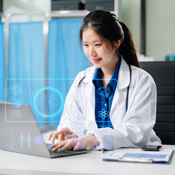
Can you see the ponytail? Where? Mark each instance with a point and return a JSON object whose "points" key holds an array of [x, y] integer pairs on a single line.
{"points": [[127, 49]]}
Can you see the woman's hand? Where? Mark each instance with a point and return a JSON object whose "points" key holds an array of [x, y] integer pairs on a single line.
{"points": [[65, 145], [63, 134], [89, 142], [86, 142]]}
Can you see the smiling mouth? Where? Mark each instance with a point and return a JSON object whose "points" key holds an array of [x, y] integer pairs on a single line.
{"points": [[96, 60]]}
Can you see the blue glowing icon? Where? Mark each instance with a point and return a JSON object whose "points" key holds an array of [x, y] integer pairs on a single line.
{"points": [[48, 97], [15, 89], [107, 138], [9, 131], [21, 140], [103, 114], [9, 139], [38, 140], [15, 113], [16, 103], [104, 92], [28, 140]]}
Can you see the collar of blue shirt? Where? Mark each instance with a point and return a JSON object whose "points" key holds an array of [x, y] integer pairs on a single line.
{"points": [[97, 80]]}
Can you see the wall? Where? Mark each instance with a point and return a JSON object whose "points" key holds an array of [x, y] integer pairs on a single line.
{"points": [[160, 30], [22, 6], [129, 13]]}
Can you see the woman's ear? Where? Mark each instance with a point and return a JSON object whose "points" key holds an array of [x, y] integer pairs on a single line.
{"points": [[117, 44]]}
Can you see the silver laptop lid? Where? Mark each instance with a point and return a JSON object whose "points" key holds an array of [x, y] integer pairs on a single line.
{"points": [[20, 136]]}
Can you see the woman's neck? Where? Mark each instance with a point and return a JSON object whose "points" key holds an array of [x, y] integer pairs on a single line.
{"points": [[108, 70]]}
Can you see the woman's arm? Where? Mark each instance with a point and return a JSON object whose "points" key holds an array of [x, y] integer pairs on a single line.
{"points": [[137, 124], [72, 120], [72, 116]]}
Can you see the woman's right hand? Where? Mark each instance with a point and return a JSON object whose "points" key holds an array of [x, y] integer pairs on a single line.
{"points": [[63, 134]]}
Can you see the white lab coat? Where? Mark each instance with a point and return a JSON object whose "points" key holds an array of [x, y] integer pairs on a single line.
{"points": [[132, 128]]}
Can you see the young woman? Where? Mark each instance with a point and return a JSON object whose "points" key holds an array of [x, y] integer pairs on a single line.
{"points": [[113, 103]]}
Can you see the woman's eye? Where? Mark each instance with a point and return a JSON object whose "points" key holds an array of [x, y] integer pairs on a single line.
{"points": [[97, 44], [85, 45]]}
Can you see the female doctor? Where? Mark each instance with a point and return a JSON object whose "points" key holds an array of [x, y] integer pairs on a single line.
{"points": [[113, 103]]}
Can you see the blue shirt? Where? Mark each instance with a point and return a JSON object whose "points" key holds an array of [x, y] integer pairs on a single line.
{"points": [[104, 97]]}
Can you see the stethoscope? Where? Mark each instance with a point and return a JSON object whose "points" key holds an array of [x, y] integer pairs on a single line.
{"points": [[127, 95]]}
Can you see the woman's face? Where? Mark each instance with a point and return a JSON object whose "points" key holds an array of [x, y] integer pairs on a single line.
{"points": [[99, 52]]}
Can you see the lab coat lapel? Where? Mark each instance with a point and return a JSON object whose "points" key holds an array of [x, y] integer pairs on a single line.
{"points": [[89, 89], [124, 75], [123, 82]]}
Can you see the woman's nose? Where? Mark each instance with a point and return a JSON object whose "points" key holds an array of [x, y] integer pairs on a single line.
{"points": [[92, 52]]}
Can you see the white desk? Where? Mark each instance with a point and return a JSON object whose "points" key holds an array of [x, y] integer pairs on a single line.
{"points": [[89, 164]]}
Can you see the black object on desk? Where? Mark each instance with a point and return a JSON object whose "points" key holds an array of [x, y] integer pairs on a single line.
{"points": [[151, 148]]}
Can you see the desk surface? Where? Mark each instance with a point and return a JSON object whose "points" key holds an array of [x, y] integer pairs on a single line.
{"points": [[89, 164]]}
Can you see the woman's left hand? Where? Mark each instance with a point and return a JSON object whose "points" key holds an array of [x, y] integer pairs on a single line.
{"points": [[89, 142]]}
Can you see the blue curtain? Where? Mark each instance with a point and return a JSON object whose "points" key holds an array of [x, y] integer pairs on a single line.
{"points": [[26, 63], [2, 70], [26, 69], [65, 60]]}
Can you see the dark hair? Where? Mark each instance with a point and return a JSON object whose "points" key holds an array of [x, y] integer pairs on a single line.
{"points": [[108, 27]]}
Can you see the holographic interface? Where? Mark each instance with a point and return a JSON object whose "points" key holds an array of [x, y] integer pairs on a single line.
{"points": [[45, 97], [44, 100]]}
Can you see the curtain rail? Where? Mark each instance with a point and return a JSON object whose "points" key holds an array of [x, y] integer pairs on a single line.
{"points": [[23, 14], [61, 13]]}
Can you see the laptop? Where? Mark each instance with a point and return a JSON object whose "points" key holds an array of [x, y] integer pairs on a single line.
{"points": [[19, 132]]}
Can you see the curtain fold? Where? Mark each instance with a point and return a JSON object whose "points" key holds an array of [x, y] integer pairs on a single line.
{"points": [[2, 64], [27, 83], [26, 63], [65, 60]]}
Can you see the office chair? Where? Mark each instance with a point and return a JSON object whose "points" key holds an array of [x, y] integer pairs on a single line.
{"points": [[163, 74]]}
